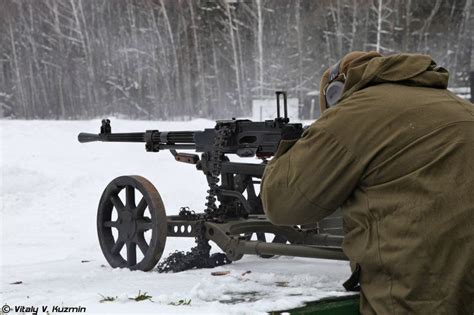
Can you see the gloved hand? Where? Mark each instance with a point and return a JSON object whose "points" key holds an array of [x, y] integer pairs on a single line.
{"points": [[290, 132]]}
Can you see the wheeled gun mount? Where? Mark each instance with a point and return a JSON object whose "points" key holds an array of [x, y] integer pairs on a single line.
{"points": [[231, 224]]}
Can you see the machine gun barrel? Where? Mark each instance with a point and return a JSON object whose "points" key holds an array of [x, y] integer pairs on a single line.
{"points": [[153, 138], [112, 137]]}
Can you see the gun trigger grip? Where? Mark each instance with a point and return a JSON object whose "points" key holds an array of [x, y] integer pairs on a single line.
{"points": [[186, 158]]}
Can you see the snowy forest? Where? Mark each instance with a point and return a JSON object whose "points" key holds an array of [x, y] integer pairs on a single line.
{"points": [[177, 59]]}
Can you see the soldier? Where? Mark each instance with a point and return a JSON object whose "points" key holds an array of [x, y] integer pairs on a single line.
{"points": [[394, 149]]}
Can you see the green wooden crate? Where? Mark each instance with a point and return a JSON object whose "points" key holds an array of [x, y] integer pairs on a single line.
{"points": [[344, 305]]}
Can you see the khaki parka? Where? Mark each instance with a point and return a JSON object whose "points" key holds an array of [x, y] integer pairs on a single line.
{"points": [[396, 154]]}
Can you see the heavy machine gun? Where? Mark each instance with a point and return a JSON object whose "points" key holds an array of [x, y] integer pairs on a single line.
{"points": [[233, 217]]}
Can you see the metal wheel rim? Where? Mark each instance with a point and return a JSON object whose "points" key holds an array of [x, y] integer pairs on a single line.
{"points": [[131, 224]]}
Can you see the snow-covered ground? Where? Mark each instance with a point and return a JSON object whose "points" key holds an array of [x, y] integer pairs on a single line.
{"points": [[50, 187]]}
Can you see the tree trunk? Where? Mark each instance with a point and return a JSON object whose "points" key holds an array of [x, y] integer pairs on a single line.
{"points": [[408, 14], [202, 103], [354, 25], [300, 51], [236, 59], [164, 61], [57, 29], [175, 57], [217, 79], [427, 23], [379, 25], [186, 75], [463, 35], [260, 47], [471, 70], [19, 87], [86, 49]]}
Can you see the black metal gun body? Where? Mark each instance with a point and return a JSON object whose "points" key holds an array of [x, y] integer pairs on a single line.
{"points": [[244, 138], [248, 138]]}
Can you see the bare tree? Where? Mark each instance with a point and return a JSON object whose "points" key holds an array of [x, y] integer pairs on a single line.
{"points": [[427, 22], [198, 55], [235, 55], [471, 63], [382, 11], [171, 59], [260, 46], [19, 84], [176, 70]]}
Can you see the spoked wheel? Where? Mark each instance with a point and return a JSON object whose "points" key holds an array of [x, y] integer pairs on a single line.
{"points": [[131, 214]]}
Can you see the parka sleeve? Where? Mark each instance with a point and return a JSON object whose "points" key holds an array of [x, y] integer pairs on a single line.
{"points": [[309, 178]]}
